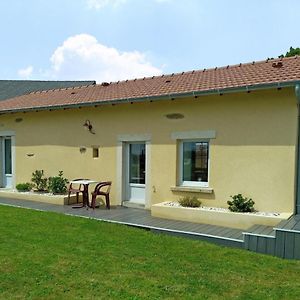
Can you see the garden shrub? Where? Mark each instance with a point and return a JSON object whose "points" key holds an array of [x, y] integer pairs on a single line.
{"points": [[188, 201], [40, 182], [24, 187], [58, 184], [241, 204]]}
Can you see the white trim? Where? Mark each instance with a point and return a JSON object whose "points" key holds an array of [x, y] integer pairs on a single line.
{"points": [[13, 160], [202, 134], [119, 172], [122, 167], [129, 185], [148, 177], [287, 230], [134, 137], [259, 235], [192, 189], [126, 171], [192, 184], [137, 185], [7, 133], [11, 135]]}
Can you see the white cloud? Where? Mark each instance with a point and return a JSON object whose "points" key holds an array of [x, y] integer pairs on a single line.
{"points": [[82, 57], [26, 72], [98, 4]]}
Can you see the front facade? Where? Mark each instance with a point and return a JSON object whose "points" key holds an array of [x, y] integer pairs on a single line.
{"points": [[212, 147]]}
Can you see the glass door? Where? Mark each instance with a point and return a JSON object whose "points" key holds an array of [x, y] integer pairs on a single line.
{"points": [[137, 172], [7, 162]]}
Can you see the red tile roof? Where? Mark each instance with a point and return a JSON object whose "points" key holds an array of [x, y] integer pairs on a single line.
{"points": [[263, 74]]}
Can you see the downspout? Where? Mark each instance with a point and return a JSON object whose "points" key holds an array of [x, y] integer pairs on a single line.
{"points": [[297, 204]]}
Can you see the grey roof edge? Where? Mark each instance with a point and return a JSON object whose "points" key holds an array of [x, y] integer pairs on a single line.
{"points": [[14, 88], [246, 88], [25, 80]]}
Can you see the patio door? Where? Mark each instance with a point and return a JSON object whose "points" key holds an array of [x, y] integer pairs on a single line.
{"points": [[6, 162], [136, 172]]}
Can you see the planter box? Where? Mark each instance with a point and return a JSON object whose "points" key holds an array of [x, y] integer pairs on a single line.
{"points": [[220, 218], [38, 197]]}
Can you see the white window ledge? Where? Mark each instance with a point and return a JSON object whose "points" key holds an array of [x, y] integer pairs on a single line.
{"points": [[192, 189]]}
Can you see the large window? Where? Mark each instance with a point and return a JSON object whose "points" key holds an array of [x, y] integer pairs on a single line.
{"points": [[194, 163]]}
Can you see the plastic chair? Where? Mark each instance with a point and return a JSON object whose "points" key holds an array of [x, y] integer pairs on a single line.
{"points": [[101, 189], [75, 190]]}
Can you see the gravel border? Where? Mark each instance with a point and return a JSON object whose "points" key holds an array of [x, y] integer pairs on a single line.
{"points": [[220, 209]]}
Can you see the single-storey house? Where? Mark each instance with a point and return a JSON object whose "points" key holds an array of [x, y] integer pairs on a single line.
{"points": [[14, 88], [211, 133]]}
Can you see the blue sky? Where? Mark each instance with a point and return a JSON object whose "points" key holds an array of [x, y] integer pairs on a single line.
{"points": [[108, 40]]}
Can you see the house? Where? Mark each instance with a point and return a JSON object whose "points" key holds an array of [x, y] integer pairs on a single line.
{"points": [[14, 88], [210, 133]]}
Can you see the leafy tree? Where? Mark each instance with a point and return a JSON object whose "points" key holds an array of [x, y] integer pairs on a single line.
{"points": [[291, 52]]}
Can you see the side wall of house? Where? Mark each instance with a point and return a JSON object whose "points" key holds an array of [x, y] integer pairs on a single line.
{"points": [[253, 152]]}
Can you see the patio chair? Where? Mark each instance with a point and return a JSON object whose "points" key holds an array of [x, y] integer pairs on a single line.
{"points": [[75, 190], [101, 189]]}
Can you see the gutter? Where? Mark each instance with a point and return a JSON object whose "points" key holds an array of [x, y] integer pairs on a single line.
{"points": [[297, 204], [195, 94]]}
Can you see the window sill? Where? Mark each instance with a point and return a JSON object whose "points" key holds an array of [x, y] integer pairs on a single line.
{"points": [[192, 189]]}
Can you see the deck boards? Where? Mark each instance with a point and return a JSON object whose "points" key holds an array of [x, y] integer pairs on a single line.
{"points": [[139, 218], [284, 241], [268, 230], [293, 224], [262, 230]]}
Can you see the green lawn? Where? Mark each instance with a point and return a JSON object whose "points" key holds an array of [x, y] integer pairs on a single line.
{"points": [[53, 256]]}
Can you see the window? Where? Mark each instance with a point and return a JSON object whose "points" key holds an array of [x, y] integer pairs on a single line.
{"points": [[95, 152], [194, 162], [137, 163], [7, 154]]}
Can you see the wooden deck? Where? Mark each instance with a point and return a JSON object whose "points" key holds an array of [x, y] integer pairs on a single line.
{"points": [[282, 241], [288, 238], [291, 225], [142, 218]]}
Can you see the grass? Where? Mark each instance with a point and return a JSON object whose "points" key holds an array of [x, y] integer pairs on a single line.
{"points": [[53, 256]]}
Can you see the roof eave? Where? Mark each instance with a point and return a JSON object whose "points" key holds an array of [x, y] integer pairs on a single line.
{"points": [[246, 88]]}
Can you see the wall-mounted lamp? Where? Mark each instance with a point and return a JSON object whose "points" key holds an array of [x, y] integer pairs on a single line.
{"points": [[87, 125], [82, 149]]}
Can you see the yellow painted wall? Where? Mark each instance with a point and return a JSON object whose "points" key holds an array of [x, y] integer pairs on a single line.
{"points": [[253, 153]]}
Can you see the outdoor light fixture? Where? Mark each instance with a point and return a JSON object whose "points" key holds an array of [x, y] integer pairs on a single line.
{"points": [[87, 125]]}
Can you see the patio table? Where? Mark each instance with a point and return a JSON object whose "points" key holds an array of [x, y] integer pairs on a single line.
{"points": [[85, 193]]}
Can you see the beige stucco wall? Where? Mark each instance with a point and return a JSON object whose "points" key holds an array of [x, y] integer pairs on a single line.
{"points": [[253, 152]]}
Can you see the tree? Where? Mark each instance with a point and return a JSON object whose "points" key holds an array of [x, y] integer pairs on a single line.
{"points": [[291, 52]]}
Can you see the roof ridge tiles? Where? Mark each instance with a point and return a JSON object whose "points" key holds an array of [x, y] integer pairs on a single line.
{"points": [[175, 74]]}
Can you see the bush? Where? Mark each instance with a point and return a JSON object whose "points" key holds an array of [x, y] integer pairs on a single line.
{"points": [[241, 204], [40, 183], [24, 187], [189, 202], [58, 184]]}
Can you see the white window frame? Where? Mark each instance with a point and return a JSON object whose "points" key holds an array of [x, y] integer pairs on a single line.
{"points": [[192, 183], [122, 142]]}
